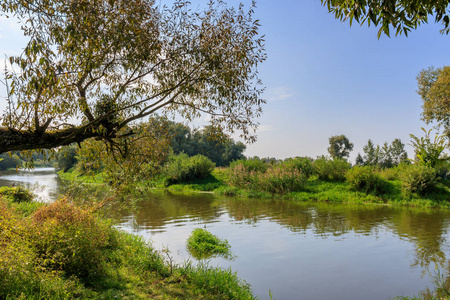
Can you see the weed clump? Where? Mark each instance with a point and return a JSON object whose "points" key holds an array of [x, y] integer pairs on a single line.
{"points": [[203, 244], [16, 194]]}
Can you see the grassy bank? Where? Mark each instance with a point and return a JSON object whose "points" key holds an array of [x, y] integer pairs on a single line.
{"points": [[299, 181], [64, 251]]}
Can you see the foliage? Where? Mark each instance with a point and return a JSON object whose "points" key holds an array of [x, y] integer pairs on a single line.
{"points": [[65, 158], [181, 168], [384, 157], [150, 57], [250, 165], [427, 152], [330, 169], [366, 179], [371, 154], [417, 178], [340, 147], [9, 161], [302, 164], [434, 86], [203, 244], [16, 194], [69, 238], [140, 155], [211, 142], [401, 16], [280, 179]]}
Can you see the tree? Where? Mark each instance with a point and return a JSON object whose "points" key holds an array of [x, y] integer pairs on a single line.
{"points": [[434, 88], [340, 147], [385, 159], [398, 152], [372, 154], [92, 68], [400, 15]]}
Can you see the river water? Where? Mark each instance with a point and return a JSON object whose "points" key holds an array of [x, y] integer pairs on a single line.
{"points": [[296, 250]]}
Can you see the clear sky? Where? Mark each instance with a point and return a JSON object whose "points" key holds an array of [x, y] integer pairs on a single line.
{"points": [[326, 78]]}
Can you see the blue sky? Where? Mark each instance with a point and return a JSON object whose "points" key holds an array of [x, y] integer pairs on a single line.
{"points": [[326, 78]]}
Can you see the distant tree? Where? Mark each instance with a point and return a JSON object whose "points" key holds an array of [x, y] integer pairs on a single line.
{"points": [[400, 15], [359, 160], [340, 147], [371, 154], [385, 156], [434, 88], [9, 161], [211, 142], [65, 158], [398, 152]]}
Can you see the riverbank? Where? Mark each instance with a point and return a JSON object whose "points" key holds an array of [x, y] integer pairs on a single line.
{"points": [[64, 251], [314, 189]]}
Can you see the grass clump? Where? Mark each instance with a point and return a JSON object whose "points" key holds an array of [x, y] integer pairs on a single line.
{"points": [[203, 244]]}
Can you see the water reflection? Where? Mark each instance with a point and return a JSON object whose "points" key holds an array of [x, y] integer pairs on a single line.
{"points": [[286, 245], [43, 182]]}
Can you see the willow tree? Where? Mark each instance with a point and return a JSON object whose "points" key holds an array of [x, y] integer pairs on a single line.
{"points": [[92, 68], [400, 16]]}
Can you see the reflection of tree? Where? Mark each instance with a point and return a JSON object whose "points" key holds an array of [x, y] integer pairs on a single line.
{"points": [[424, 228]]}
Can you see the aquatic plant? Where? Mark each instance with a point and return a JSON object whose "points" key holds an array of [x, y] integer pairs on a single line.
{"points": [[203, 244]]}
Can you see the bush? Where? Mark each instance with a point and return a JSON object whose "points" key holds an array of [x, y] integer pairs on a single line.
{"points": [[281, 180], [203, 244], [417, 179], [16, 194], [302, 164], [70, 239], [331, 169], [366, 179], [182, 168]]}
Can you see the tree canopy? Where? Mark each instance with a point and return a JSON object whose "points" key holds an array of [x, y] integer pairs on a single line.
{"points": [[92, 68], [340, 147], [400, 15], [434, 88]]}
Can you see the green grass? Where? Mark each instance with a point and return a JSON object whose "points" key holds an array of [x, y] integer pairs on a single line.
{"points": [[203, 244]]}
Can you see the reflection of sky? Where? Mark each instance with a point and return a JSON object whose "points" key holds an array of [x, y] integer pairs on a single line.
{"points": [[306, 264], [44, 182]]}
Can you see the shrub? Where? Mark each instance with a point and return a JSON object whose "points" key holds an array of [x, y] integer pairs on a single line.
{"points": [[281, 180], [70, 239], [302, 164], [417, 178], [366, 179], [203, 244], [184, 168], [241, 177], [331, 169], [16, 194]]}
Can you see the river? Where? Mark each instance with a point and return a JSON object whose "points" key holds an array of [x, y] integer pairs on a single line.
{"points": [[296, 250]]}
